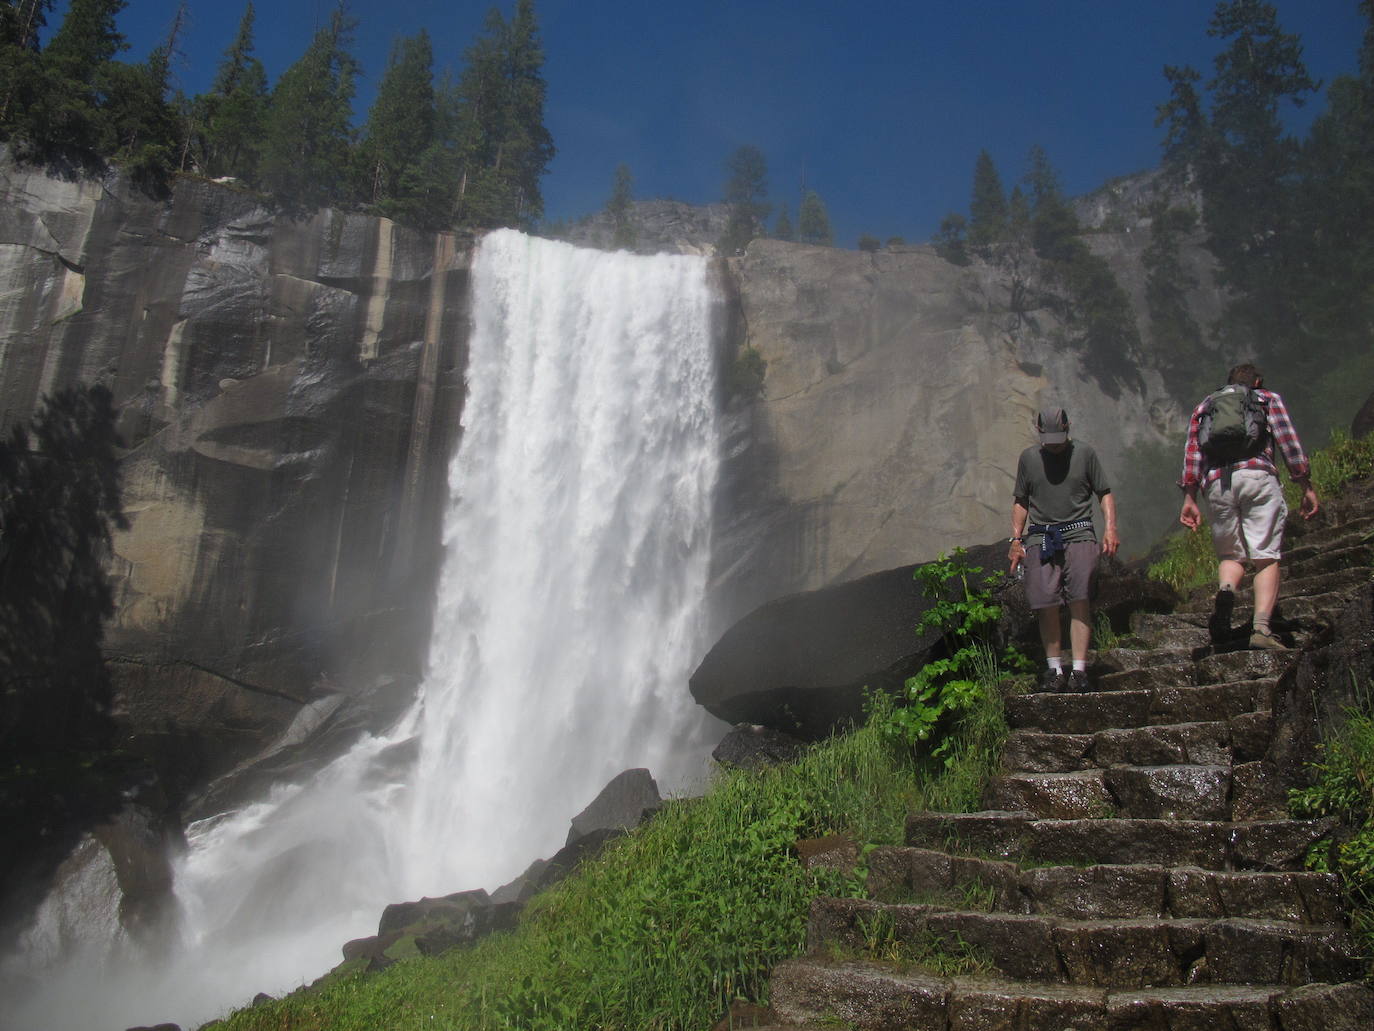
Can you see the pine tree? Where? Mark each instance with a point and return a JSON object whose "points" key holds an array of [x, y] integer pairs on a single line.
{"points": [[65, 105], [308, 134], [528, 147], [400, 126], [988, 206], [232, 116], [1177, 336], [950, 241], [1244, 164], [813, 222], [20, 63], [782, 228], [502, 147], [618, 207], [746, 186], [140, 128]]}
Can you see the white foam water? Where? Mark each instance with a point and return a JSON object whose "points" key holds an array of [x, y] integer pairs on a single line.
{"points": [[570, 612]]}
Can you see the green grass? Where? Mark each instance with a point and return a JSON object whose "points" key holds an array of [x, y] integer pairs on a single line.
{"points": [[1344, 788], [677, 919]]}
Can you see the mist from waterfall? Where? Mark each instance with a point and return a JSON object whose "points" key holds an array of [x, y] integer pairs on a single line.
{"points": [[570, 612]]}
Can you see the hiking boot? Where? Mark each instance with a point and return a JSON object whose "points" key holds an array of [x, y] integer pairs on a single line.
{"points": [[1219, 623], [1266, 641], [1053, 681], [1078, 682]]}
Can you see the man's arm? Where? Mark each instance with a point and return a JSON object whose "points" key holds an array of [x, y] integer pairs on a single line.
{"points": [[1191, 479], [1285, 437], [1016, 550], [1110, 540]]}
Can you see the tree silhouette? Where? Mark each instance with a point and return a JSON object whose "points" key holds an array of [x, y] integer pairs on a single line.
{"points": [[60, 501]]}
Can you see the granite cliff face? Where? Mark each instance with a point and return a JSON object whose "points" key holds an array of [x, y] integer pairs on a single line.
{"points": [[899, 391], [289, 391]]}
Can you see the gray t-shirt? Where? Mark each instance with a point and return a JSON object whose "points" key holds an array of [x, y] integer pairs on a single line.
{"points": [[1059, 488]]}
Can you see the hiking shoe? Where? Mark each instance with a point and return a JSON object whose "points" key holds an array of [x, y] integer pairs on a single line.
{"points": [[1053, 681], [1219, 624], [1268, 642], [1078, 682]]}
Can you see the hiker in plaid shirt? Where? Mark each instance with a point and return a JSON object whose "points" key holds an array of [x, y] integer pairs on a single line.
{"points": [[1246, 508]]}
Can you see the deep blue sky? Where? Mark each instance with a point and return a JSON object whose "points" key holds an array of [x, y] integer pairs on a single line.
{"points": [[882, 105]]}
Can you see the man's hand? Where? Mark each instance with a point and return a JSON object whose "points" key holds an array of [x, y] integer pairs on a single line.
{"points": [[1191, 515], [1309, 506], [1110, 541], [1015, 554]]}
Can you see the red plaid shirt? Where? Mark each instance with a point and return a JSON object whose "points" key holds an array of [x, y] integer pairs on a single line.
{"points": [[1199, 472]]}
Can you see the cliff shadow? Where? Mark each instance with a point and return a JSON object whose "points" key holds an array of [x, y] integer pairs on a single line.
{"points": [[59, 501]]}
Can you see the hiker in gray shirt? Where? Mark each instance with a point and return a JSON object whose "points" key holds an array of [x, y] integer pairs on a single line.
{"points": [[1055, 484]]}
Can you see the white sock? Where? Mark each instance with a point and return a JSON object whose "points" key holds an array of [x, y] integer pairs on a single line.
{"points": [[1080, 665], [1056, 663]]}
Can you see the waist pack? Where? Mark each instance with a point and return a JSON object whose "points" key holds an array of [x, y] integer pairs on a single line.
{"points": [[1233, 425]]}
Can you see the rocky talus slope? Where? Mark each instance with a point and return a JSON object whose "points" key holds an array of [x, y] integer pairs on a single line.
{"points": [[1134, 869]]}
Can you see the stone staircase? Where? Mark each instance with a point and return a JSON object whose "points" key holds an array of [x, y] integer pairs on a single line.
{"points": [[1134, 869]]}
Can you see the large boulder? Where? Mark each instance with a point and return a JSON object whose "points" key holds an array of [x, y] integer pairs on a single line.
{"points": [[804, 664]]}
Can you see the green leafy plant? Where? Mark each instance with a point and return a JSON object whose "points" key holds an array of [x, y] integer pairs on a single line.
{"points": [[1344, 788], [946, 688]]}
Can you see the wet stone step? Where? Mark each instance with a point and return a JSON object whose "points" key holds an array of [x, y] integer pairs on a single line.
{"points": [[1311, 610], [1147, 792], [1292, 588], [1110, 710], [1178, 672], [880, 997], [1209, 844], [1109, 953], [916, 875], [1118, 660], [1225, 667], [1312, 560], [1242, 738], [1331, 536]]}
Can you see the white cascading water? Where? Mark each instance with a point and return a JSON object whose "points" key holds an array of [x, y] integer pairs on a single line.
{"points": [[570, 613]]}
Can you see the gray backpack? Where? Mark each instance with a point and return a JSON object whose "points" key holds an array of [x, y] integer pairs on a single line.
{"points": [[1233, 425]]}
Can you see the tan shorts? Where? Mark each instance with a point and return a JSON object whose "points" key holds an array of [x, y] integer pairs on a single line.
{"points": [[1066, 577], [1247, 520]]}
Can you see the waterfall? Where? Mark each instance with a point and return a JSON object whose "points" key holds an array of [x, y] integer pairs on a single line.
{"points": [[570, 612]]}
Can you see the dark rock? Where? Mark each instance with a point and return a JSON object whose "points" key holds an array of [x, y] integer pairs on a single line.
{"points": [[1363, 423], [463, 908], [832, 852], [619, 806], [803, 663], [749, 746], [157, 1027]]}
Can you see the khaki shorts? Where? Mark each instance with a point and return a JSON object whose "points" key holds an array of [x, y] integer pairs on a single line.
{"points": [[1247, 520], [1066, 577]]}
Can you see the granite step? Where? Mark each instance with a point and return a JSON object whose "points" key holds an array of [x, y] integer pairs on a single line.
{"points": [[823, 993], [1175, 792], [1352, 531], [1123, 660], [918, 875], [1241, 738], [1167, 630], [1111, 710], [1274, 844], [1124, 952], [1312, 559], [1290, 588]]}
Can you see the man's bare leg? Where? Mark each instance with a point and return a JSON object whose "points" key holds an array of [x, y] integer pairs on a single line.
{"points": [[1080, 629]]}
